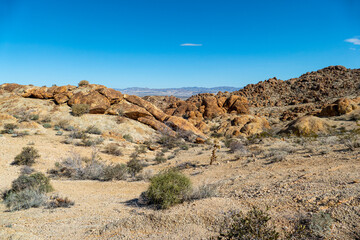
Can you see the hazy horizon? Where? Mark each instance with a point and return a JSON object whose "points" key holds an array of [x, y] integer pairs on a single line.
{"points": [[174, 44]]}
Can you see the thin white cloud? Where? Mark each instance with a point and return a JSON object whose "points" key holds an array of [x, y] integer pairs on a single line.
{"points": [[353, 49], [355, 40], [191, 45]]}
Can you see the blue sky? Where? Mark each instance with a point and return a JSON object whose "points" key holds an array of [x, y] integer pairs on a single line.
{"points": [[140, 43]]}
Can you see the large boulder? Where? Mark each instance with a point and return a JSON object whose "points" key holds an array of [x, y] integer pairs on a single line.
{"points": [[243, 125], [237, 104], [98, 103], [181, 124], [212, 108], [127, 109], [157, 125], [111, 94], [339, 107], [308, 125], [157, 113]]}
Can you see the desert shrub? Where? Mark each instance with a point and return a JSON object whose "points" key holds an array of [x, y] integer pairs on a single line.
{"points": [[46, 119], [25, 199], [351, 139], [159, 158], [93, 130], [83, 83], [253, 225], [128, 137], [77, 134], [9, 128], [216, 135], [34, 117], [88, 142], [115, 172], [168, 188], [113, 149], [47, 125], [26, 157], [79, 109], [168, 141], [140, 149], [236, 146], [94, 170], [57, 202], [320, 223], [184, 146], [204, 191], [37, 181], [134, 166], [77, 167]]}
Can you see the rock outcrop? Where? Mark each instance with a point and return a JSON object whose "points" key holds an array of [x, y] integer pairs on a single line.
{"points": [[308, 125], [339, 107]]}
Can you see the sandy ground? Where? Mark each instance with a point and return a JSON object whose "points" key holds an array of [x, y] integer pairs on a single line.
{"points": [[305, 181]]}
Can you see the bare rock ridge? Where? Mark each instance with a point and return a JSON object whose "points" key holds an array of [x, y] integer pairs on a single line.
{"points": [[104, 100]]}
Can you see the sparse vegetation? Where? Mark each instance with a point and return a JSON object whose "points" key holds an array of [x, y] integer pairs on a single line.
{"points": [[159, 158], [27, 191], [27, 156], [113, 149], [80, 109], [253, 225], [59, 202], [134, 166], [93, 130]]}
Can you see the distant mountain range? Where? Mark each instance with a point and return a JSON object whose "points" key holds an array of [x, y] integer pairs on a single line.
{"points": [[184, 92]]}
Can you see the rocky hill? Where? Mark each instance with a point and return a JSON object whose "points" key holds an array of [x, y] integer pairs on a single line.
{"points": [[320, 86]]}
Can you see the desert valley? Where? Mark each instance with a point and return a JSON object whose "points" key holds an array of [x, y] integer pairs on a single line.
{"points": [[89, 162]]}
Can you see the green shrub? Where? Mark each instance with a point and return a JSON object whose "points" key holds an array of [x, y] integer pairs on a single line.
{"points": [[128, 137], [47, 125], [26, 157], [9, 128], [83, 83], [253, 225], [320, 223], [134, 166], [25, 199], [80, 109], [168, 188], [36, 181], [169, 142]]}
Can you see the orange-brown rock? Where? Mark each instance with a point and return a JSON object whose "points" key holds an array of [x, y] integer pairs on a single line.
{"points": [[244, 125], [212, 108], [199, 140], [157, 113], [178, 123], [339, 107], [308, 125], [237, 104], [97, 102], [157, 125], [111, 94], [127, 109]]}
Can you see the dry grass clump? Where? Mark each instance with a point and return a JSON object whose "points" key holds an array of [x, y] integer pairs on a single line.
{"points": [[253, 225], [93, 130], [77, 167], [159, 158], [27, 156], [113, 149], [59, 202], [80, 109]]}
